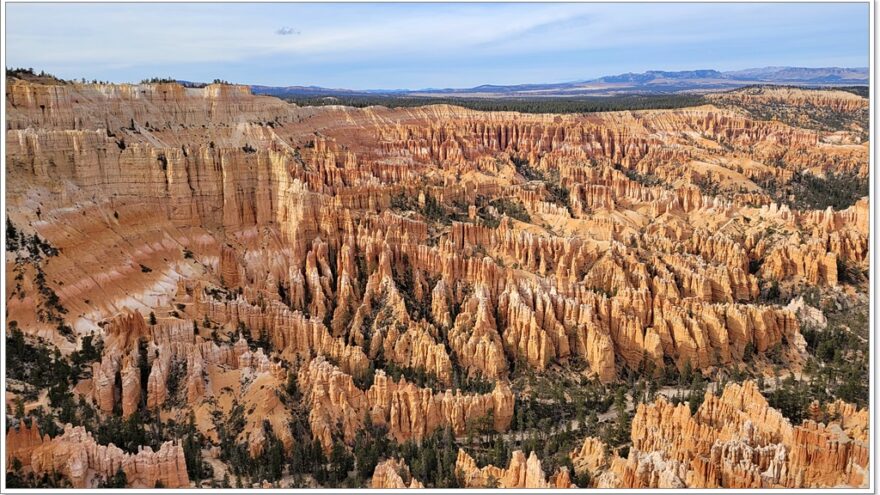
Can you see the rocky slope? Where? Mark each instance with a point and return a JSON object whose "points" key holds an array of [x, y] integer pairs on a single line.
{"points": [[829, 110]]}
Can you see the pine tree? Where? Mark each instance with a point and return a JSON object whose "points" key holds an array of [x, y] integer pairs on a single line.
{"points": [[192, 451], [341, 462], [12, 243], [19, 408], [118, 480]]}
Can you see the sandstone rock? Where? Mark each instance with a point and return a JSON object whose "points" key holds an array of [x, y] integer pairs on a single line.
{"points": [[591, 457], [322, 225], [289, 331], [409, 412], [733, 441], [75, 455], [521, 473], [21, 440], [393, 474], [807, 314], [561, 479], [475, 339]]}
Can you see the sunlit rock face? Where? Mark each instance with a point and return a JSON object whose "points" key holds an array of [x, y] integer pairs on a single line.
{"points": [[406, 265], [391, 474], [735, 440], [77, 456]]}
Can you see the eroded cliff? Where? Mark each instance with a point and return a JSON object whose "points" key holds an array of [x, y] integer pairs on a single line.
{"points": [[244, 262]]}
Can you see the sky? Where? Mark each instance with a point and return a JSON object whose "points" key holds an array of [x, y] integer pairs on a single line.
{"points": [[413, 46]]}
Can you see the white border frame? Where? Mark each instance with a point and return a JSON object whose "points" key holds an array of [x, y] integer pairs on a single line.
{"points": [[872, 291]]}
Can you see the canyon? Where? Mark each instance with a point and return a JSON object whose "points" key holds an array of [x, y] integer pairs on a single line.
{"points": [[249, 265]]}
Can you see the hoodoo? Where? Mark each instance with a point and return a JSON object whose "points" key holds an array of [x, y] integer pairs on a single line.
{"points": [[208, 288]]}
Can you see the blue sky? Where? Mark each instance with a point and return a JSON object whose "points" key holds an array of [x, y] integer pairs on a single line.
{"points": [[362, 46]]}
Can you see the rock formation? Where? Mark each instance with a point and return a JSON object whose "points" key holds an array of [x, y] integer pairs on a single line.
{"points": [[735, 440], [393, 474], [522, 472], [21, 441], [219, 243], [591, 456], [77, 456], [408, 412]]}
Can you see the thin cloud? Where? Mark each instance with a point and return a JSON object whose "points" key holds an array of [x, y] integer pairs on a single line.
{"points": [[286, 31]]}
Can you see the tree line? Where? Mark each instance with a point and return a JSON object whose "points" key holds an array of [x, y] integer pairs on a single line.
{"points": [[579, 104]]}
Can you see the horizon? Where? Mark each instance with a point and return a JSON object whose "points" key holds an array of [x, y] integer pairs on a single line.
{"points": [[80, 79], [426, 46]]}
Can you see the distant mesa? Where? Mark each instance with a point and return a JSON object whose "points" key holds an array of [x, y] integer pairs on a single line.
{"points": [[650, 82]]}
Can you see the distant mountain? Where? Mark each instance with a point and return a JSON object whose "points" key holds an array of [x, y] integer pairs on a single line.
{"points": [[826, 75], [650, 82], [768, 75], [307, 91], [653, 75]]}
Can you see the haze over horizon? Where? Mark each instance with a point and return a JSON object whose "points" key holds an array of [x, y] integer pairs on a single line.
{"points": [[415, 46]]}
